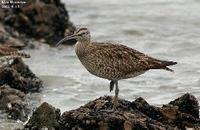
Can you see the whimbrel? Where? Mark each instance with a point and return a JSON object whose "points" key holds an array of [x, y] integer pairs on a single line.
{"points": [[8, 53], [112, 61]]}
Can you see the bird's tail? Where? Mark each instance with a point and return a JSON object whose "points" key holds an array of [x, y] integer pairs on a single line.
{"points": [[169, 63], [160, 64]]}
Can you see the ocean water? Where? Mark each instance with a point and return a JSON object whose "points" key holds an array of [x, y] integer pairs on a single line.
{"points": [[168, 30]]}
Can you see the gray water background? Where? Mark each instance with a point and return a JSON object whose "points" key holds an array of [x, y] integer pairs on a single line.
{"points": [[168, 30]]}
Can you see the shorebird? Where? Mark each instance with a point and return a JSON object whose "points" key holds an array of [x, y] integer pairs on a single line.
{"points": [[8, 53], [112, 61]]}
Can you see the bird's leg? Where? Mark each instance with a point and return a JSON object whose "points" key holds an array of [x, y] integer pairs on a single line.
{"points": [[115, 102], [112, 83]]}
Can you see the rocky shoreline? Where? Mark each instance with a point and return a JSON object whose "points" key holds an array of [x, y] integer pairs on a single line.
{"points": [[16, 80], [180, 114], [27, 28]]}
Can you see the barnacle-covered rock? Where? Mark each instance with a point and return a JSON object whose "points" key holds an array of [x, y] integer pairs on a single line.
{"points": [[18, 75], [12, 101]]}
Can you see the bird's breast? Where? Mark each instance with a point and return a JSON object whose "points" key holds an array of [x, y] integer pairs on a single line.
{"points": [[80, 49]]}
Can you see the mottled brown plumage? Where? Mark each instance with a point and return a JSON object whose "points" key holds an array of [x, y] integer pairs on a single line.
{"points": [[113, 61]]}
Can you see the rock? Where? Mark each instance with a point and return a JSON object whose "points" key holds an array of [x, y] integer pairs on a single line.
{"points": [[94, 116], [137, 115], [10, 37], [187, 104], [151, 111], [47, 20], [18, 75], [12, 102], [10, 40], [45, 116], [16, 79]]}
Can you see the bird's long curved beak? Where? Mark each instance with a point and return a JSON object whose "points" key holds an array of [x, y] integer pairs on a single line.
{"points": [[65, 39]]}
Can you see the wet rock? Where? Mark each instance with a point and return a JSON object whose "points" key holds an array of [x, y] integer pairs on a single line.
{"points": [[43, 20], [97, 115], [18, 75], [149, 110], [45, 116], [16, 79], [10, 40], [187, 104], [10, 37], [137, 115], [12, 102]]}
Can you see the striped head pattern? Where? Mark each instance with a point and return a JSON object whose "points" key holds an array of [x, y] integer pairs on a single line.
{"points": [[82, 34]]}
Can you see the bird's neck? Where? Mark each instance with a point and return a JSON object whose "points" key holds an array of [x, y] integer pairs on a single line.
{"points": [[80, 48]]}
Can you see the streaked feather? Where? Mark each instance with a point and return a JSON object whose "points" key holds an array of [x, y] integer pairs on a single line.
{"points": [[116, 61]]}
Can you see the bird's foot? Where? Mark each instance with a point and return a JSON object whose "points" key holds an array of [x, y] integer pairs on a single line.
{"points": [[114, 106]]}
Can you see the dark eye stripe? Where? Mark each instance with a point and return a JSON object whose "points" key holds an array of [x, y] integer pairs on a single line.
{"points": [[81, 29], [83, 33]]}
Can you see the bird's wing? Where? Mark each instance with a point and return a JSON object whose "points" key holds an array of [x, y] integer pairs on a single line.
{"points": [[118, 57], [124, 59]]}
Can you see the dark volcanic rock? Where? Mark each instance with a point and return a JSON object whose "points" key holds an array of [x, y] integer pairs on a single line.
{"points": [[16, 79], [47, 20], [18, 75], [97, 115], [12, 102], [45, 116], [137, 115], [8, 39], [187, 104]]}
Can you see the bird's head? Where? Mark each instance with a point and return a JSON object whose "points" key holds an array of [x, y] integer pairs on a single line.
{"points": [[80, 34]]}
